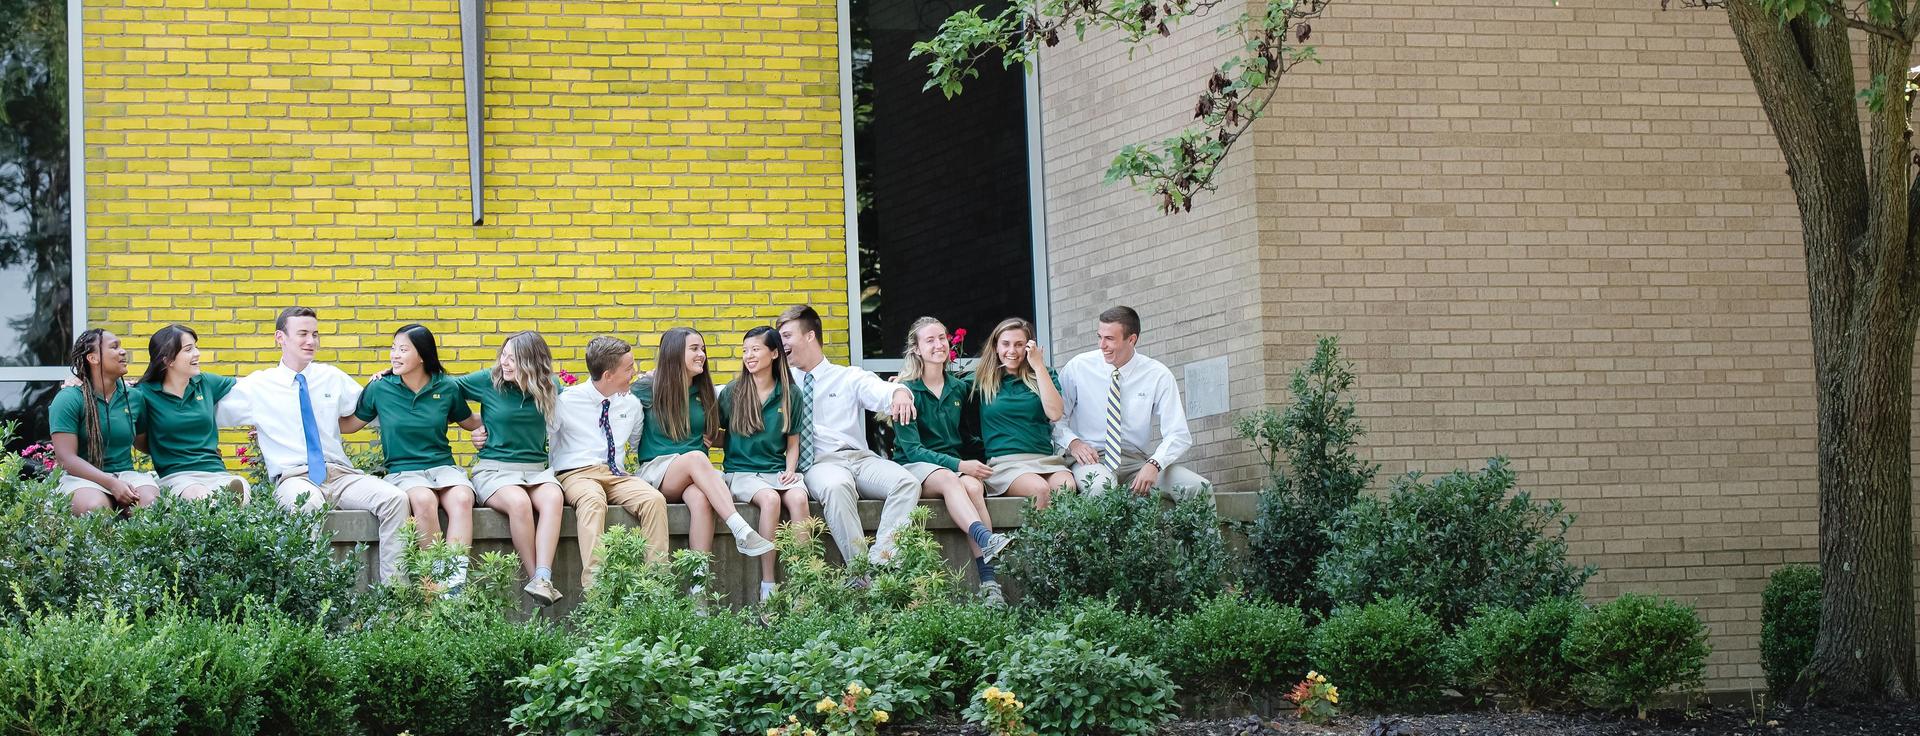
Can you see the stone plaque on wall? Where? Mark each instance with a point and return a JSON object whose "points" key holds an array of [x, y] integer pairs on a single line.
{"points": [[1206, 390]]}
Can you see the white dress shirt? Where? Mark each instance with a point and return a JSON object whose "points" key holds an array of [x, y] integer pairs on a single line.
{"points": [[842, 396], [1147, 390], [269, 399], [578, 441]]}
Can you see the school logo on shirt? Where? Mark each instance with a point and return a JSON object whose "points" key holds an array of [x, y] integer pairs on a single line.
{"points": [[436, 396]]}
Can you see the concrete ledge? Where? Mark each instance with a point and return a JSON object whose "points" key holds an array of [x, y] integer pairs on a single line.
{"points": [[735, 575]]}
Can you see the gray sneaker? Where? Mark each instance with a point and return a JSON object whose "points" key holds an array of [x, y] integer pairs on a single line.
{"points": [[543, 591], [990, 594], [996, 543]]}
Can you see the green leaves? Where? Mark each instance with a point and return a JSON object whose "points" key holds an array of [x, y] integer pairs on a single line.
{"points": [[1149, 556], [1386, 654], [1073, 686], [1631, 650]]}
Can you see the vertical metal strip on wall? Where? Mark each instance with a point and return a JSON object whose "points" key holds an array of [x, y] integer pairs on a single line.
{"points": [[472, 52]]}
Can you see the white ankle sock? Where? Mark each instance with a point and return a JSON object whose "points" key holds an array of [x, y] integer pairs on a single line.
{"points": [[738, 525]]}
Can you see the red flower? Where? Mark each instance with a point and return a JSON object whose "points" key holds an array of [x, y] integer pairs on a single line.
{"points": [[568, 378], [960, 335]]}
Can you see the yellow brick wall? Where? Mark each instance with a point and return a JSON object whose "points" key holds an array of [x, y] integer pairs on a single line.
{"points": [[649, 164]]}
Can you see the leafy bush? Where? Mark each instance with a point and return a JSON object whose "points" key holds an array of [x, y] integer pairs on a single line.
{"points": [[310, 683], [49, 560], [1322, 475], [1517, 653], [1072, 686], [1146, 555], [85, 674], [916, 575], [1455, 544], [413, 683], [961, 635], [218, 670], [1387, 654], [771, 685], [1232, 643], [214, 557], [636, 687], [1631, 650], [496, 651], [1789, 624], [1104, 623]]}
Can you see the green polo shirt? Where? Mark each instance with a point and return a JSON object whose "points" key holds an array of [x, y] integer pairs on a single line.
{"points": [[516, 430], [1015, 423], [118, 416], [939, 432], [764, 451], [654, 442], [182, 434], [413, 424]]}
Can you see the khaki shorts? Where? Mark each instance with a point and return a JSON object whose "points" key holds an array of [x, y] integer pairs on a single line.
{"points": [[134, 478], [1007, 468], [490, 476], [920, 471], [437, 478], [654, 471], [173, 482], [746, 485]]}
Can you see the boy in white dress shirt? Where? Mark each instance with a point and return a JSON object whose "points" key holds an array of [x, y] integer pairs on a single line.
{"points": [[1114, 395]]}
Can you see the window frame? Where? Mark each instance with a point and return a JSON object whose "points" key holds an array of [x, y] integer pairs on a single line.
{"points": [[76, 197], [1036, 202]]}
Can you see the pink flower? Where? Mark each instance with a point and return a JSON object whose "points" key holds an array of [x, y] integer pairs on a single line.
{"points": [[960, 335], [568, 378]]}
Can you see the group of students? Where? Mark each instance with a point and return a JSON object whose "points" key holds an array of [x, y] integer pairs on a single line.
{"points": [[792, 426]]}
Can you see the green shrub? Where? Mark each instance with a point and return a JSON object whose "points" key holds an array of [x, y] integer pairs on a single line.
{"points": [[915, 576], [1455, 544], [795, 630], [413, 681], [219, 674], [85, 675], [310, 682], [1517, 653], [1148, 556], [1387, 654], [1631, 650], [638, 687], [770, 685], [1321, 476], [1104, 623], [1072, 686], [1235, 644], [496, 651], [961, 635], [49, 560], [1789, 624], [215, 557]]}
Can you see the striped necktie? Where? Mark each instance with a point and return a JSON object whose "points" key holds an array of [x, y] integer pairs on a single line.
{"points": [[806, 422], [1111, 458]]}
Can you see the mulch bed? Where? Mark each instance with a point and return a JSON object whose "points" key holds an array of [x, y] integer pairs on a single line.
{"points": [[1721, 721]]}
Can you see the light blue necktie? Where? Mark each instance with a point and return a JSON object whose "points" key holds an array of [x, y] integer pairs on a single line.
{"points": [[316, 460]]}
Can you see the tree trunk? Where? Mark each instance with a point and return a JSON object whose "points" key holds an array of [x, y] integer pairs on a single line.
{"points": [[1857, 202]]}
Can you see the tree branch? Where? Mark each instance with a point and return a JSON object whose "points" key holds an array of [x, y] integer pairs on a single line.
{"points": [[1896, 34]]}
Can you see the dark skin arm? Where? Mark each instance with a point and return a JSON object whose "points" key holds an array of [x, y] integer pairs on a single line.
{"points": [[66, 451]]}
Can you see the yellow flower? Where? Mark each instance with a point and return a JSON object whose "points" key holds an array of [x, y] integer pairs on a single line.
{"points": [[1313, 674], [773, 731], [1333, 697], [879, 716], [992, 693], [810, 732], [825, 704]]}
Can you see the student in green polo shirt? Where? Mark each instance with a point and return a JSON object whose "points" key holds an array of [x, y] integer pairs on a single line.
{"points": [[517, 397], [414, 401], [178, 427], [678, 398], [943, 431], [93, 428], [1019, 402], [763, 445]]}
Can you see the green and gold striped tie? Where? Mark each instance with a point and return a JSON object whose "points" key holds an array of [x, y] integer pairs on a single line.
{"points": [[1111, 458]]}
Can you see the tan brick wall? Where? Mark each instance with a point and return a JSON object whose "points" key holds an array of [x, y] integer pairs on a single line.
{"points": [[1193, 278], [1559, 233]]}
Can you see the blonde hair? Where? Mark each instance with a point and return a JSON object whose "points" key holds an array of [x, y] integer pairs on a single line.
{"points": [[532, 371], [911, 366], [986, 377]]}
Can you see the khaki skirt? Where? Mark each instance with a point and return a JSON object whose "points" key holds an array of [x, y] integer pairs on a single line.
{"points": [[492, 475], [1007, 468]]}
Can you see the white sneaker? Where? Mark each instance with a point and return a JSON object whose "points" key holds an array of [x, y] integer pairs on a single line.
{"points": [[543, 591], [990, 594], [752, 544], [996, 543]]}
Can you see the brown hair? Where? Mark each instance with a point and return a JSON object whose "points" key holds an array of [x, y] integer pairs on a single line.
{"points": [[911, 366], [532, 371], [670, 387], [280, 322], [986, 378], [603, 353], [809, 320], [743, 399], [1124, 316]]}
